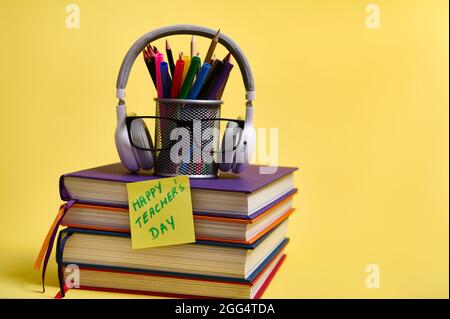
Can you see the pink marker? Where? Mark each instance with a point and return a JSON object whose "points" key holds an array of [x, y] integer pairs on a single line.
{"points": [[159, 87]]}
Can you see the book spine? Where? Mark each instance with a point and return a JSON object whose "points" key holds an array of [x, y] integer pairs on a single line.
{"points": [[269, 279], [59, 256], [63, 193]]}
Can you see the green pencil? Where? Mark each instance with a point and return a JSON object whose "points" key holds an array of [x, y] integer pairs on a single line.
{"points": [[192, 71]]}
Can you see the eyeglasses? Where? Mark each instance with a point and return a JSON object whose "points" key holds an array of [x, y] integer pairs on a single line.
{"points": [[169, 131]]}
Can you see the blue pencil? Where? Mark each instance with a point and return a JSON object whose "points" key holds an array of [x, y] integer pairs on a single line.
{"points": [[166, 81], [199, 82]]}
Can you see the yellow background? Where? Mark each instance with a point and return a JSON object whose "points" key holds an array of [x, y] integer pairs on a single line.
{"points": [[363, 113]]}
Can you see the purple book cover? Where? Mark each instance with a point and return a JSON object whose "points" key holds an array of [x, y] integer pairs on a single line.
{"points": [[247, 182]]}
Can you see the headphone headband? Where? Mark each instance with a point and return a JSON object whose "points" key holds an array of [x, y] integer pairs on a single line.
{"points": [[149, 37]]}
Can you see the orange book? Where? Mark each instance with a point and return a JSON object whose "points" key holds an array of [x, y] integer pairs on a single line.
{"points": [[208, 228]]}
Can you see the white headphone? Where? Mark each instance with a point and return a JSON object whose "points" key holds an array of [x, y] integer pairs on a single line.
{"points": [[234, 158]]}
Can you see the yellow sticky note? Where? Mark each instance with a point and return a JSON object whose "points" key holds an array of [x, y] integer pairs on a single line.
{"points": [[160, 212]]}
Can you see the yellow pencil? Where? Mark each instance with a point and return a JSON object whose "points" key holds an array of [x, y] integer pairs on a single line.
{"points": [[187, 62]]}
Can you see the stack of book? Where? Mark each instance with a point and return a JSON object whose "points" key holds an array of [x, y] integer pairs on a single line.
{"points": [[240, 226]]}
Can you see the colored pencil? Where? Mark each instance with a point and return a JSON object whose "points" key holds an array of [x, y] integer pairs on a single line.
{"points": [[187, 62], [150, 63], [166, 81], [219, 81], [146, 59], [199, 81], [216, 69], [187, 83], [152, 56], [213, 59], [195, 52], [193, 46], [158, 60], [150, 50], [170, 59], [213, 66], [177, 79], [212, 47], [219, 95], [227, 57]]}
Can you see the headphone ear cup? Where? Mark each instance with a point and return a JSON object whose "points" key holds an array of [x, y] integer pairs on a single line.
{"points": [[141, 137], [227, 148], [244, 150], [124, 149]]}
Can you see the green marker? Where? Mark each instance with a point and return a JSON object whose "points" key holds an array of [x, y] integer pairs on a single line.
{"points": [[192, 71]]}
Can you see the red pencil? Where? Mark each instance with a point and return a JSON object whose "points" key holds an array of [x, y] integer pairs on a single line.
{"points": [[227, 57], [146, 56], [177, 79], [150, 51]]}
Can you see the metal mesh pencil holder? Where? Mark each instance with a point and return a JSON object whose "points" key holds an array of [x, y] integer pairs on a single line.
{"points": [[182, 113], [196, 118]]}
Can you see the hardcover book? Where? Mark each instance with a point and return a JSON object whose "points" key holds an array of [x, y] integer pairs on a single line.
{"points": [[202, 259], [207, 228], [243, 196]]}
